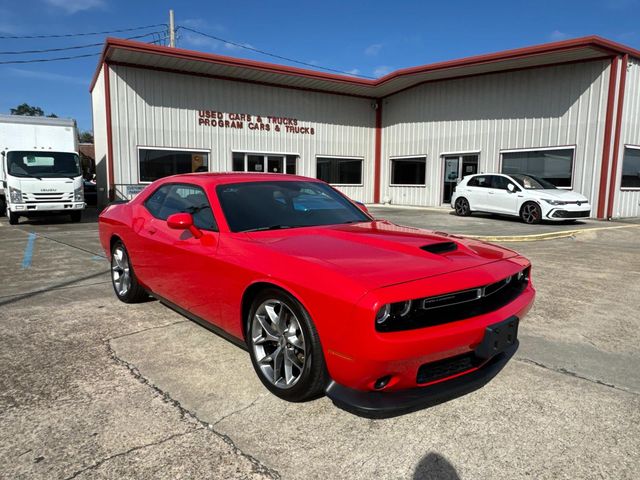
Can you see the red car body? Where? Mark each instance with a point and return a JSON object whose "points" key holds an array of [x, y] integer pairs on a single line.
{"points": [[342, 275]]}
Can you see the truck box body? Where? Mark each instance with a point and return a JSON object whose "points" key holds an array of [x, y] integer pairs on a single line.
{"points": [[40, 171]]}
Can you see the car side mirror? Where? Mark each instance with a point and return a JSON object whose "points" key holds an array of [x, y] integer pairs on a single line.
{"points": [[511, 187], [183, 221]]}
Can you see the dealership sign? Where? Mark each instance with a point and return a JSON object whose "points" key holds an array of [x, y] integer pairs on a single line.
{"points": [[263, 123]]}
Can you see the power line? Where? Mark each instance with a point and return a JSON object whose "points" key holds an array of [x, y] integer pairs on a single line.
{"points": [[76, 47], [87, 34], [247, 47]]}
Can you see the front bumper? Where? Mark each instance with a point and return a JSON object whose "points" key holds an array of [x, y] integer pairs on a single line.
{"points": [[46, 207], [372, 404]]}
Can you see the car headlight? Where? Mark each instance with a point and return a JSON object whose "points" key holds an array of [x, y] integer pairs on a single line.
{"points": [[393, 310], [78, 194], [554, 202], [15, 195]]}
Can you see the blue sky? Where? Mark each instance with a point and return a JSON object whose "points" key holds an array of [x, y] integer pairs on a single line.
{"points": [[366, 38]]}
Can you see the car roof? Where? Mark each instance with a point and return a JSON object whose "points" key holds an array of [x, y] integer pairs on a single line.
{"points": [[221, 178]]}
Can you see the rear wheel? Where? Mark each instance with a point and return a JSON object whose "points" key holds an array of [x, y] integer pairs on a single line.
{"points": [[285, 348], [76, 216], [123, 278], [463, 209], [13, 217], [530, 213]]}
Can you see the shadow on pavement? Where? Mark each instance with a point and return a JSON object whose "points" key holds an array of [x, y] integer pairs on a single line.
{"points": [[512, 219], [89, 215], [435, 466]]}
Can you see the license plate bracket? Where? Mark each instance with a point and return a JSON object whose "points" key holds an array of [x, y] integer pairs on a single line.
{"points": [[498, 337]]}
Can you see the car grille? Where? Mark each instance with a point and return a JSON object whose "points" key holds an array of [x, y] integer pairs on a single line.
{"points": [[47, 197], [568, 214], [437, 310], [430, 372]]}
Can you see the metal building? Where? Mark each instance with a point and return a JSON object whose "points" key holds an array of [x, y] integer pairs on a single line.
{"points": [[566, 111]]}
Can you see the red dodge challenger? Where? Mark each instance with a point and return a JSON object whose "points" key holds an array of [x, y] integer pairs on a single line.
{"points": [[382, 319]]}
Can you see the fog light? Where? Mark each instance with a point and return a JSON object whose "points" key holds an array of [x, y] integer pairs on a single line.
{"points": [[382, 382]]}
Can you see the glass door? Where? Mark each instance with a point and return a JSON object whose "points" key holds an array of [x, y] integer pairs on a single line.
{"points": [[275, 164], [456, 167]]}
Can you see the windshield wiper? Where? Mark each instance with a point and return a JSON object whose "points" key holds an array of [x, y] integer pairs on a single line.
{"points": [[271, 227]]}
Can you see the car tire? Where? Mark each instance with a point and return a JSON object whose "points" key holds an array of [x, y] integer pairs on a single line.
{"points": [[531, 213], [14, 218], [123, 278], [462, 207], [76, 217], [3, 206], [278, 324]]}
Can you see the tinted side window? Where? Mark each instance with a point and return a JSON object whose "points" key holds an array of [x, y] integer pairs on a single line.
{"points": [[499, 182], [481, 181], [182, 198]]}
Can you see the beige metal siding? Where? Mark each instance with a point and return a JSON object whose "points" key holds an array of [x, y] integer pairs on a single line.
{"points": [[543, 107], [627, 202], [160, 109], [100, 137]]}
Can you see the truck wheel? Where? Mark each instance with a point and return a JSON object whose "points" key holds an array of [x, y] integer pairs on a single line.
{"points": [[3, 206], [76, 216], [13, 218]]}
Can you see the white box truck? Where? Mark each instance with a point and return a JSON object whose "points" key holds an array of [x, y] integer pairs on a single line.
{"points": [[40, 173]]}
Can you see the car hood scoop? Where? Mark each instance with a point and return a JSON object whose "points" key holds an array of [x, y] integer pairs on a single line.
{"points": [[380, 253], [440, 247]]}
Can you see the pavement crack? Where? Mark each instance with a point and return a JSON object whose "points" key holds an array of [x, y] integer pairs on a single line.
{"points": [[147, 329], [189, 415], [564, 371], [239, 410], [127, 452]]}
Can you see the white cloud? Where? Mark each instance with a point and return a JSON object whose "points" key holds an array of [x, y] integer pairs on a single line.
{"points": [[231, 46], [201, 24], [75, 6], [46, 76], [199, 42], [557, 35], [353, 71], [381, 70], [373, 50]]}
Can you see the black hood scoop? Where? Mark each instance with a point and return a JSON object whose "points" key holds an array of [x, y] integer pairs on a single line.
{"points": [[440, 247]]}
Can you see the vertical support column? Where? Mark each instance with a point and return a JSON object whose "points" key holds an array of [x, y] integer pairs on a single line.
{"points": [[107, 99], [378, 152], [613, 177], [608, 128]]}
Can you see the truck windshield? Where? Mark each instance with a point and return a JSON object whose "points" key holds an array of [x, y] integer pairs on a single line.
{"points": [[43, 164]]}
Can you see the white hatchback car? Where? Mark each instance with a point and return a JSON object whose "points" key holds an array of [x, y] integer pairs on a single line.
{"points": [[530, 198]]}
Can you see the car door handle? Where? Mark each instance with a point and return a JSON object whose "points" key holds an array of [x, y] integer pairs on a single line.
{"points": [[490, 193]]}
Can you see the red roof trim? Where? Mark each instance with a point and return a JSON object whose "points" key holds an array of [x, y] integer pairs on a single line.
{"points": [[584, 42]]}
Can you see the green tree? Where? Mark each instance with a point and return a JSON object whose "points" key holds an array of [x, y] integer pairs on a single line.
{"points": [[30, 111], [85, 137]]}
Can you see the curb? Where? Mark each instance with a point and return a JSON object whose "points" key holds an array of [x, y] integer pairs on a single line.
{"points": [[544, 236]]}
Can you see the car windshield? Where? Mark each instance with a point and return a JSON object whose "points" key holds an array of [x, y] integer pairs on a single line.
{"points": [[529, 182], [254, 206], [43, 164]]}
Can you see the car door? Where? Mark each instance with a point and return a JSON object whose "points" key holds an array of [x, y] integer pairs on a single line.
{"points": [[499, 198], [179, 267], [476, 192]]}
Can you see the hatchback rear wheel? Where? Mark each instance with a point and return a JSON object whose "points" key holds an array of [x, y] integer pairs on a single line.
{"points": [[463, 209], [285, 348]]}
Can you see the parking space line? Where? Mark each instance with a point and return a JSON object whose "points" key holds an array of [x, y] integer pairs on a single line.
{"points": [[543, 236], [28, 251]]}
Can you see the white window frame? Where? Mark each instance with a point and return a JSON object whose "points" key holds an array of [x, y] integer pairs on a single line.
{"points": [[169, 149], [264, 159], [405, 157], [543, 149], [343, 157], [627, 189]]}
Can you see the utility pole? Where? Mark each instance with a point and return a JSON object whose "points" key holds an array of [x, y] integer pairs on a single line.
{"points": [[172, 30]]}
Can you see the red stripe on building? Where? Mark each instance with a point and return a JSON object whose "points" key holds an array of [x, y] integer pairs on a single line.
{"points": [[378, 153], [608, 127]]}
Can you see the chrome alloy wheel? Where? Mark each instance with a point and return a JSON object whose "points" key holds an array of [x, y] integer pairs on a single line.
{"points": [[278, 343], [530, 213], [120, 271]]}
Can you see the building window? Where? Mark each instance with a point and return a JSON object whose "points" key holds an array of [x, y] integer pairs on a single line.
{"points": [[260, 162], [339, 171], [409, 171], [553, 165], [631, 168], [155, 164]]}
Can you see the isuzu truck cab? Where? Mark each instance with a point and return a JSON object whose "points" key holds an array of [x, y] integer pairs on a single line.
{"points": [[41, 172]]}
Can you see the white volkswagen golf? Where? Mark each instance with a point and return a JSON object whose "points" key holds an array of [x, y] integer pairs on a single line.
{"points": [[530, 198]]}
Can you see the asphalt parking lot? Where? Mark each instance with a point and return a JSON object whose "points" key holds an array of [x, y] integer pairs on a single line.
{"points": [[93, 388]]}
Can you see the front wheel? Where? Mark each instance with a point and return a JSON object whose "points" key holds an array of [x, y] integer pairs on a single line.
{"points": [[123, 278], [76, 216], [531, 213], [463, 209], [14, 218], [285, 348]]}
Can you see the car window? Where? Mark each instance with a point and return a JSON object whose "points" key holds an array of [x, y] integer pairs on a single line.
{"points": [[480, 181], [499, 182], [182, 198]]}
